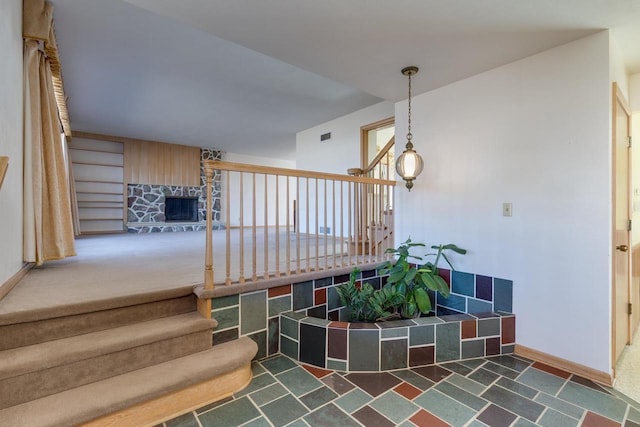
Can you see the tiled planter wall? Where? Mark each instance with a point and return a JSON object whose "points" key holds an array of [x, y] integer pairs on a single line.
{"points": [[145, 203], [258, 315]]}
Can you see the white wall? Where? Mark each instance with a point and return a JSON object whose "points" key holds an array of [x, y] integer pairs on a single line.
{"points": [[234, 188], [634, 103], [342, 151], [11, 130], [534, 133]]}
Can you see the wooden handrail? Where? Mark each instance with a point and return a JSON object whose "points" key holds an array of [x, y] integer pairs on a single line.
{"points": [[241, 167], [380, 155]]}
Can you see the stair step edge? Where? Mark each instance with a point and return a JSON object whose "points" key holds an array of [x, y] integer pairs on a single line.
{"points": [[98, 399], [35, 357]]}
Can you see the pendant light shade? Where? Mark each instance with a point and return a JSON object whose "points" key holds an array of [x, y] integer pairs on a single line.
{"points": [[409, 164]]}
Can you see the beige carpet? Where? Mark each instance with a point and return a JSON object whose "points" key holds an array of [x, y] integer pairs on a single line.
{"points": [[110, 266], [628, 370]]}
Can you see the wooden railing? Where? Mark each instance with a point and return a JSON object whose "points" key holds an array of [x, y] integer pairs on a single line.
{"points": [[265, 237]]}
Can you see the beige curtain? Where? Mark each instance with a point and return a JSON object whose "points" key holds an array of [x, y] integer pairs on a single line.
{"points": [[48, 232]]}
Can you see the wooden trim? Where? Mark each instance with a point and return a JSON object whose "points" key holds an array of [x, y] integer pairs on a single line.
{"points": [[7, 286], [240, 167], [4, 164], [171, 405], [90, 233], [380, 155], [364, 148], [565, 365]]}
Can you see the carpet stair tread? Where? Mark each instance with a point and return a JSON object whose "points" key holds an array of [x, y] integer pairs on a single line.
{"points": [[97, 399]]}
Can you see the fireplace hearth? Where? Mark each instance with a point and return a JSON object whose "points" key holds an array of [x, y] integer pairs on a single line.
{"points": [[181, 209]]}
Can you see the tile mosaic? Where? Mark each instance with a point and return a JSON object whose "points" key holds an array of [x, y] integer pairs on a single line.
{"points": [[484, 287], [486, 315], [457, 317], [279, 305], [421, 335], [521, 422], [466, 384], [333, 315], [394, 407], [257, 383], [289, 327], [461, 395], [492, 346], [257, 368], [517, 387], [319, 312], [477, 306], [414, 379], [393, 354], [542, 381], [253, 312], [396, 323], [588, 383], [517, 404], [320, 296], [289, 347], [258, 422], [446, 275], [483, 376], [364, 348], [407, 391], [499, 369], [488, 327], [560, 405], [317, 372], [330, 416], [394, 333], [495, 416], [463, 283], [321, 283], [473, 363], [273, 337], [595, 420], [469, 329], [595, 401], [282, 411], [227, 318], [508, 330], [343, 278], [337, 343], [370, 417], [634, 414], [456, 367], [374, 383], [279, 291], [337, 383], [420, 356], [555, 371], [435, 373], [261, 339], [445, 408], [448, 339], [510, 362], [503, 295], [552, 418], [213, 405], [227, 301], [423, 418], [333, 299], [472, 348], [268, 394], [313, 344], [298, 381], [353, 400], [364, 325], [302, 295], [315, 321], [225, 336], [233, 413], [278, 364], [337, 365], [508, 349], [318, 397], [428, 320], [454, 302], [186, 420]]}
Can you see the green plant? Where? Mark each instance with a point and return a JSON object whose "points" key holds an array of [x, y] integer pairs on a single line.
{"points": [[366, 304], [414, 281]]}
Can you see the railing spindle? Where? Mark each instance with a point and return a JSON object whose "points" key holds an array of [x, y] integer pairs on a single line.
{"points": [[308, 254], [254, 275], [333, 225], [208, 255], [288, 272], [266, 228], [227, 280], [241, 279], [277, 272], [297, 215], [317, 235]]}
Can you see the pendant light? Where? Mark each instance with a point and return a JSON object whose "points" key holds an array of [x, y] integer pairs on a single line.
{"points": [[409, 165]]}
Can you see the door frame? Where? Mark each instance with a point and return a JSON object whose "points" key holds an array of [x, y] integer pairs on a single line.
{"points": [[619, 98]]}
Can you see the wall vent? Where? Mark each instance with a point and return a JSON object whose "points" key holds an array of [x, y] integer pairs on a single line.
{"points": [[325, 136]]}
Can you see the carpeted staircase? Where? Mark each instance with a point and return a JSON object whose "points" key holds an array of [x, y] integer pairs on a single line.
{"points": [[134, 360]]}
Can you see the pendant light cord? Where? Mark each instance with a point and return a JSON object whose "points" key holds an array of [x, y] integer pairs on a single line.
{"points": [[409, 135]]}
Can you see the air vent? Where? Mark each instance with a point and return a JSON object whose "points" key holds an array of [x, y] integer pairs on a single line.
{"points": [[325, 136]]}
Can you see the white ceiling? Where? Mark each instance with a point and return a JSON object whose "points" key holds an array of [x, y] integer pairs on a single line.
{"points": [[246, 75]]}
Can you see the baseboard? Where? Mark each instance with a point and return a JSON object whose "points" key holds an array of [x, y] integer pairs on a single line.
{"points": [[171, 405], [566, 365], [7, 286]]}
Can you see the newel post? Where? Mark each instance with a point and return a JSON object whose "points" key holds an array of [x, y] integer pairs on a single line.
{"points": [[208, 256]]}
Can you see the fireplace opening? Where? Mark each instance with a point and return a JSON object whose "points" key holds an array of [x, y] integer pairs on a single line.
{"points": [[184, 209]]}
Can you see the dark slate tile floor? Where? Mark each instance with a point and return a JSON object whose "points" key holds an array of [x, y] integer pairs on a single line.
{"points": [[501, 391]]}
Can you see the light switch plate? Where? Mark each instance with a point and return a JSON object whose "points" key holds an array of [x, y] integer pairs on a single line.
{"points": [[507, 209]]}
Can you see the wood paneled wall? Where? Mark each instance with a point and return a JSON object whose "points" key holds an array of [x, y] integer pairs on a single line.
{"points": [[148, 162]]}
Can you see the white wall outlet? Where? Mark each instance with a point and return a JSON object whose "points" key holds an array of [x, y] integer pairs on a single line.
{"points": [[507, 209]]}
